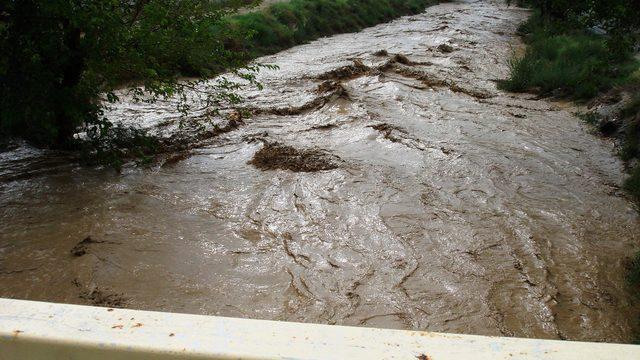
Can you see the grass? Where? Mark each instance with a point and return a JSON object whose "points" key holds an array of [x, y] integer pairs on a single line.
{"points": [[285, 24], [566, 63]]}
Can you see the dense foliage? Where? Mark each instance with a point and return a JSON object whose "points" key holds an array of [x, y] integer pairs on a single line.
{"points": [[577, 49], [565, 61], [619, 18], [58, 58]]}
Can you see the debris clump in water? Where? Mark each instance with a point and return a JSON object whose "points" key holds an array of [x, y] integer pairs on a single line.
{"points": [[348, 72], [274, 156], [446, 48], [99, 297], [82, 247], [386, 130]]}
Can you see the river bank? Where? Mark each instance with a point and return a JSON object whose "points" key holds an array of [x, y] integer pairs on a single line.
{"points": [[411, 193], [278, 25]]}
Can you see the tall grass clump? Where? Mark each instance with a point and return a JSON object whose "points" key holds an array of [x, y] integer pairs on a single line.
{"points": [[566, 63]]}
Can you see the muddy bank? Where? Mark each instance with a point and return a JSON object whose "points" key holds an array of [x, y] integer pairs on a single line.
{"points": [[440, 203], [615, 115]]}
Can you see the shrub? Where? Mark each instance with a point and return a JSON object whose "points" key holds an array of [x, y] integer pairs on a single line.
{"points": [[572, 64]]}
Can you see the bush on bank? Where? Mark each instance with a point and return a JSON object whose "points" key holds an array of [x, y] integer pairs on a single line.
{"points": [[576, 48], [565, 61], [58, 58]]}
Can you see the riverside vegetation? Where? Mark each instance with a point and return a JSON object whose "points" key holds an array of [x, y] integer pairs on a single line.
{"points": [[61, 60]]}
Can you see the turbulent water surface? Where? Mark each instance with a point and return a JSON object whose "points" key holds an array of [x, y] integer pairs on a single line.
{"points": [[384, 181]]}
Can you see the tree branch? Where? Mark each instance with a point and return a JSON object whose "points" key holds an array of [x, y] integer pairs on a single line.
{"points": [[138, 10]]}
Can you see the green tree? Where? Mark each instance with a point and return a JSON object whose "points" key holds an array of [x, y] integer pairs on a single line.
{"points": [[61, 59], [619, 18]]}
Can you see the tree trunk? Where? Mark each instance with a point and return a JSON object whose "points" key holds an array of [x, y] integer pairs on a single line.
{"points": [[66, 120]]}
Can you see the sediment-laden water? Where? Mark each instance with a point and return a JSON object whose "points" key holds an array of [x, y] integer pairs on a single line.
{"points": [[383, 181]]}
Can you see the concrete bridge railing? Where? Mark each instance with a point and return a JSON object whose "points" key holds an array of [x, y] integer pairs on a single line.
{"points": [[37, 330]]}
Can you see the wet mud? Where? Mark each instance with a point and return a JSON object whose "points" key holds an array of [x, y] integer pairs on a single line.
{"points": [[381, 180], [274, 156], [100, 297]]}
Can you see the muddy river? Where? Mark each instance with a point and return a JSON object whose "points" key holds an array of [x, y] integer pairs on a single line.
{"points": [[384, 181]]}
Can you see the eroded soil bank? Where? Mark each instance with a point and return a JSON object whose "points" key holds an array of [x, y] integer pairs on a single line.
{"points": [[382, 181]]}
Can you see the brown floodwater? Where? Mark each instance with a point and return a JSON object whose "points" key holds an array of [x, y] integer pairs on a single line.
{"points": [[369, 189]]}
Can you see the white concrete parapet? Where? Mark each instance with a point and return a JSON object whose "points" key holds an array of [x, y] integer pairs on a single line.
{"points": [[38, 330]]}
